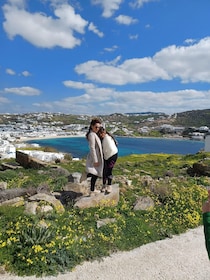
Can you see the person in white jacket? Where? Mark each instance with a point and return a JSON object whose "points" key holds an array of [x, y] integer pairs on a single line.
{"points": [[110, 153], [94, 161]]}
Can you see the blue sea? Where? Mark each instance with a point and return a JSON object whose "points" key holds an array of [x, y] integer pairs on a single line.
{"points": [[78, 146]]}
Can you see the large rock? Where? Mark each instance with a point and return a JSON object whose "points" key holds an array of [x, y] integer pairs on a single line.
{"points": [[17, 201], [57, 205], [100, 199], [29, 162]]}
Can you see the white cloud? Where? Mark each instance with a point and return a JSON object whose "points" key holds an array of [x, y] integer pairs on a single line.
{"points": [[42, 30], [24, 91], [189, 64], [131, 71], [108, 100], [109, 6], [26, 73], [78, 85], [112, 49], [122, 19], [133, 37], [4, 100], [190, 41], [10, 71], [95, 30], [140, 3]]}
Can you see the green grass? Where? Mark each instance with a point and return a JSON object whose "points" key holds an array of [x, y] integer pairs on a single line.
{"points": [[53, 243]]}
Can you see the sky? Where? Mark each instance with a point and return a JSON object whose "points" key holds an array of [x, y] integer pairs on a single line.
{"points": [[99, 57]]}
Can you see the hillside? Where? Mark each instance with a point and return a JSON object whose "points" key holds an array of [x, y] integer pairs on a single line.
{"points": [[194, 118]]}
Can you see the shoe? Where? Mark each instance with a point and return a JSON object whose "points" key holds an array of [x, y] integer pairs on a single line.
{"points": [[108, 189], [103, 189], [95, 192]]}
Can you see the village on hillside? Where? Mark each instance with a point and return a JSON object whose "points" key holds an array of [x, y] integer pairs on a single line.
{"points": [[16, 130]]}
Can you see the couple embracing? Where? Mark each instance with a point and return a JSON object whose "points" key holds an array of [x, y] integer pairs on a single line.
{"points": [[102, 156]]}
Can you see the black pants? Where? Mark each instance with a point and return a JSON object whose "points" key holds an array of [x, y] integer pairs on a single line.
{"points": [[108, 167], [92, 181]]}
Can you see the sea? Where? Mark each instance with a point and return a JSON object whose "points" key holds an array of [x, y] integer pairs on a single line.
{"points": [[78, 146]]}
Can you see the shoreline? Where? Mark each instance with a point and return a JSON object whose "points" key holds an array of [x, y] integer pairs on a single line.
{"points": [[26, 139], [83, 135]]}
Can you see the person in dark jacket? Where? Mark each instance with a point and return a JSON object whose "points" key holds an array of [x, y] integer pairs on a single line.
{"points": [[206, 223]]}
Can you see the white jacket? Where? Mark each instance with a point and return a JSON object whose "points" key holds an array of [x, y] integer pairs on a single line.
{"points": [[109, 147], [95, 155]]}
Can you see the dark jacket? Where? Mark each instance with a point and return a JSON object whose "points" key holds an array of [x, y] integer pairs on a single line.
{"points": [[206, 224]]}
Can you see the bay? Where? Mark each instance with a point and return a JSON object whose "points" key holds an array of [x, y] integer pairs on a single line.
{"points": [[78, 146]]}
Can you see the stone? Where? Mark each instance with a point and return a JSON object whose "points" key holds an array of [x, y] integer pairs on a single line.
{"points": [[144, 203], [101, 199], [29, 162], [57, 205], [3, 186], [30, 207], [103, 222], [17, 201]]}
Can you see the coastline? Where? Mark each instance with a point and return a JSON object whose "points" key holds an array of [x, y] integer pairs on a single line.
{"points": [[25, 139]]}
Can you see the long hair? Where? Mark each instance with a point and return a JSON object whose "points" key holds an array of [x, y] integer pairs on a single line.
{"points": [[92, 123], [102, 129]]}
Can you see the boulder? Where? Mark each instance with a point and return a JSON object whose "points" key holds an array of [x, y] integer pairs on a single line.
{"points": [[143, 203], [29, 162], [17, 201], [100, 199], [57, 205]]}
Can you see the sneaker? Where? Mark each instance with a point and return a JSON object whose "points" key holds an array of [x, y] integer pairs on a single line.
{"points": [[103, 189], [109, 189], [95, 192]]}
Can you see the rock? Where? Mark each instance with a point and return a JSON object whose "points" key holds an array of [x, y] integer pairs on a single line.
{"points": [[3, 186], [144, 203], [29, 162], [60, 171], [78, 188], [100, 199], [17, 201], [30, 207], [16, 192], [75, 177], [45, 208], [104, 222], [57, 205]]}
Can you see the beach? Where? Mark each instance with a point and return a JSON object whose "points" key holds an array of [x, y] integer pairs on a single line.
{"points": [[182, 257]]}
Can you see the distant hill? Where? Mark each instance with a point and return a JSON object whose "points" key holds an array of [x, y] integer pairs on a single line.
{"points": [[194, 118]]}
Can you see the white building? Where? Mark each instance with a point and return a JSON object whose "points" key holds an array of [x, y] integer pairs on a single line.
{"points": [[207, 143]]}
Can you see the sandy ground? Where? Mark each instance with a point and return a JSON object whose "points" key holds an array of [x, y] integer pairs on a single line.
{"points": [[182, 257]]}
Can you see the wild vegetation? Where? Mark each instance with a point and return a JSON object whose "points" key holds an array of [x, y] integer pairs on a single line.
{"points": [[48, 243]]}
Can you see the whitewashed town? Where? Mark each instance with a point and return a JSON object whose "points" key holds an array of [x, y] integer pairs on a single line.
{"points": [[14, 134]]}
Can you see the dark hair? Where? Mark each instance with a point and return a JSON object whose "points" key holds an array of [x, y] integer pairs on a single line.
{"points": [[92, 123], [102, 129]]}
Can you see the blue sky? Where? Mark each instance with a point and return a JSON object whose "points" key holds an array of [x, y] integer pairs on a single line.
{"points": [[104, 56]]}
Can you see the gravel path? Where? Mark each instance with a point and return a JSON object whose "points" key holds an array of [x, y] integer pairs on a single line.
{"points": [[182, 257]]}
